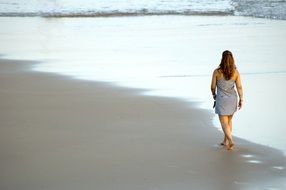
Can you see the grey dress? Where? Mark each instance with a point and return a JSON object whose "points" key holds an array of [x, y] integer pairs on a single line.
{"points": [[226, 98]]}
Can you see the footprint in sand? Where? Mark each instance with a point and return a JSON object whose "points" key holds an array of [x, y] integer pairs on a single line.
{"points": [[247, 156], [278, 167], [253, 161]]}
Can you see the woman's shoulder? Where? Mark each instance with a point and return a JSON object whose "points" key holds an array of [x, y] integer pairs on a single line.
{"points": [[235, 74], [217, 71]]}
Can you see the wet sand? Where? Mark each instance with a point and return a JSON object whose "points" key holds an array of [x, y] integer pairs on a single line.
{"points": [[60, 133]]}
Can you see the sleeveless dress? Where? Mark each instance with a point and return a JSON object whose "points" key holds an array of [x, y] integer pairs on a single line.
{"points": [[226, 98]]}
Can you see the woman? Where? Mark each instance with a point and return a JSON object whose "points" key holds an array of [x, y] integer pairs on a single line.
{"points": [[224, 79]]}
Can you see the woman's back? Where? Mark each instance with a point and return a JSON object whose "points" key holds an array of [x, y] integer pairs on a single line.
{"points": [[225, 87], [226, 98], [220, 75]]}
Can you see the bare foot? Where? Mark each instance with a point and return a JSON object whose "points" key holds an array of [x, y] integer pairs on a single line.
{"points": [[230, 146], [224, 143]]}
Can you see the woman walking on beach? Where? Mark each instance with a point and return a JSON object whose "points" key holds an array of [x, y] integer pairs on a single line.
{"points": [[224, 79]]}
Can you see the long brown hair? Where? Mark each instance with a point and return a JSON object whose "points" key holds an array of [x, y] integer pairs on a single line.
{"points": [[227, 66]]}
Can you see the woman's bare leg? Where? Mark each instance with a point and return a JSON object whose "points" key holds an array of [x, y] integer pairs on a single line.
{"points": [[224, 121], [230, 121], [225, 141]]}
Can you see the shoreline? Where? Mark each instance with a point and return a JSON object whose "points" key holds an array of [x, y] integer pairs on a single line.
{"points": [[63, 133]]}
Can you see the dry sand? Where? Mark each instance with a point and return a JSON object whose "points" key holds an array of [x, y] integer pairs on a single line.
{"points": [[57, 133]]}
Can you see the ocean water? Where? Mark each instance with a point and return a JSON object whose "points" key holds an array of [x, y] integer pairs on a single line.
{"points": [[170, 56], [274, 9]]}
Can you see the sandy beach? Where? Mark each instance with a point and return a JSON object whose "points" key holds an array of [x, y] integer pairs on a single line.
{"points": [[60, 133], [167, 55]]}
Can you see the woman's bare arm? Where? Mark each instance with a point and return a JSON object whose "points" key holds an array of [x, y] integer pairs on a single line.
{"points": [[239, 89], [213, 84]]}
